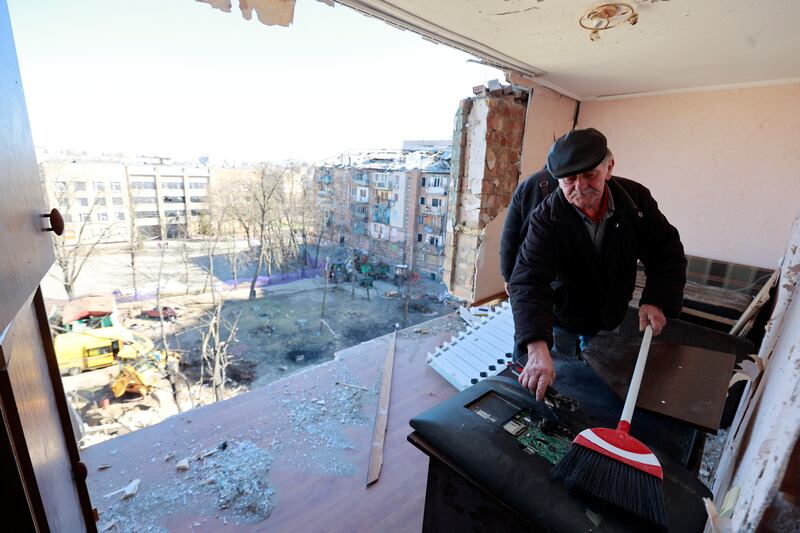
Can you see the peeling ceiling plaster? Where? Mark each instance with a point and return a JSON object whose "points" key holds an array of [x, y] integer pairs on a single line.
{"points": [[269, 12], [676, 44]]}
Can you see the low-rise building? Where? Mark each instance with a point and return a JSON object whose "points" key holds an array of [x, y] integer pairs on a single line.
{"points": [[105, 201]]}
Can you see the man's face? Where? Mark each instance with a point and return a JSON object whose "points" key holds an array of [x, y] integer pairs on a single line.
{"points": [[585, 190]]}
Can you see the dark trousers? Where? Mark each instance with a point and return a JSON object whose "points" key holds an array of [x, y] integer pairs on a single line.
{"points": [[565, 342]]}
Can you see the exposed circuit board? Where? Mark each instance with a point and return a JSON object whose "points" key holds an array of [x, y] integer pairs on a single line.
{"points": [[544, 438]]}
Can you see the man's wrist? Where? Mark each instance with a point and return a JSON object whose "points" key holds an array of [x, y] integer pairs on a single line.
{"points": [[537, 349]]}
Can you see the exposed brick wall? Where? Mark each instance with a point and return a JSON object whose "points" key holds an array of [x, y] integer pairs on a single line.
{"points": [[504, 129], [487, 143]]}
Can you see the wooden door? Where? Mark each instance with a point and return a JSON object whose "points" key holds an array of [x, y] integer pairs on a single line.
{"points": [[35, 431]]}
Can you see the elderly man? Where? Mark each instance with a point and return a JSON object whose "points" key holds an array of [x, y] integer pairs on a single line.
{"points": [[576, 270]]}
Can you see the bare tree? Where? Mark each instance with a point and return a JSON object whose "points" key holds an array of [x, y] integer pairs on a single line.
{"points": [[71, 257], [171, 371], [214, 348], [134, 237], [269, 206], [260, 193]]}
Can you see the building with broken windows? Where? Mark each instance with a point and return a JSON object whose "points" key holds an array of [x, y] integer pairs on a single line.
{"points": [[431, 216], [388, 204]]}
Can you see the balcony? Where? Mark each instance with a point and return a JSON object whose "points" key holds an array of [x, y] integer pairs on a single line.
{"points": [[381, 213], [430, 210], [436, 190], [264, 418], [382, 184], [325, 178], [325, 193], [361, 179], [358, 216]]}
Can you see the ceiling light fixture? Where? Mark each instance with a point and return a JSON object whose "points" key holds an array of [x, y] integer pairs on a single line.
{"points": [[607, 16]]}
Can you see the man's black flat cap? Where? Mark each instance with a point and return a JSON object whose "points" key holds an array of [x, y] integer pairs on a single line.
{"points": [[577, 151]]}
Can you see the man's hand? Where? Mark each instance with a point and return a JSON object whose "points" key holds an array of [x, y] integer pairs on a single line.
{"points": [[653, 315], [539, 372]]}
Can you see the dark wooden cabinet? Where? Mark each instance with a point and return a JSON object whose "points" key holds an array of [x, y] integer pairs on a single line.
{"points": [[43, 478]]}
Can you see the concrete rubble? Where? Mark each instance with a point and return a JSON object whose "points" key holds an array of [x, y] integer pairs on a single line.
{"points": [[234, 480]]}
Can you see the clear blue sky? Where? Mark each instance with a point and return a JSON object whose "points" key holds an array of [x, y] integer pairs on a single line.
{"points": [[176, 77]]}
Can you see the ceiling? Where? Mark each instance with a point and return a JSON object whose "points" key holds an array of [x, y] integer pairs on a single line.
{"points": [[676, 45]]}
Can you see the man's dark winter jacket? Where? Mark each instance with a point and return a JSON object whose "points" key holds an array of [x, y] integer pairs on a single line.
{"points": [[559, 276], [528, 195]]}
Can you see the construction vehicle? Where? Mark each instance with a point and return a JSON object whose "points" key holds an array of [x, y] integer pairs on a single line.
{"points": [[92, 337], [140, 363], [77, 351], [141, 376]]}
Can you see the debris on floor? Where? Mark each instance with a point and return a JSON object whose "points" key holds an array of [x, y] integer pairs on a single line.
{"points": [[318, 424], [711, 454], [233, 479]]}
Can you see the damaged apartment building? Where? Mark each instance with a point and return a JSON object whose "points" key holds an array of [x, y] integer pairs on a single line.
{"points": [[388, 204]]}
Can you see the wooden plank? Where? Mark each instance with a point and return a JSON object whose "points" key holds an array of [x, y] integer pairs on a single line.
{"points": [[681, 382], [382, 418]]}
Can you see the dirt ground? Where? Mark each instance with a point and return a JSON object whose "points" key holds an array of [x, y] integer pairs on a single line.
{"points": [[277, 334]]}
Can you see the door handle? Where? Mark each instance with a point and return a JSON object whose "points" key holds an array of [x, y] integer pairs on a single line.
{"points": [[56, 222]]}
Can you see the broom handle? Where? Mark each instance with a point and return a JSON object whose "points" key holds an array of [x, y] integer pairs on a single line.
{"points": [[636, 380]]}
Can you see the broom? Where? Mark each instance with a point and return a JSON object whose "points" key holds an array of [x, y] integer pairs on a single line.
{"points": [[612, 466]]}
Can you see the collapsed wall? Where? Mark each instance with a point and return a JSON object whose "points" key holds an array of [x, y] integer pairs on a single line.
{"points": [[485, 169]]}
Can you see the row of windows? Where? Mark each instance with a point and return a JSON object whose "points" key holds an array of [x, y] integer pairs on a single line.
{"points": [[98, 186], [433, 240], [169, 214], [429, 181], [167, 185], [433, 222], [64, 203], [167, 199], [435, 202], [99, 217]]}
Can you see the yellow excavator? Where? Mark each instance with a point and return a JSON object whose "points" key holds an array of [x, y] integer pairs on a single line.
{"points": [[138, 378]]}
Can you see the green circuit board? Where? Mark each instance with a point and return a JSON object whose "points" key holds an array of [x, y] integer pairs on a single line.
{"points": [[539, 437]]}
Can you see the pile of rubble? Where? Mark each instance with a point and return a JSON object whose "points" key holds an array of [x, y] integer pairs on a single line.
{"points": [[232, 477]]}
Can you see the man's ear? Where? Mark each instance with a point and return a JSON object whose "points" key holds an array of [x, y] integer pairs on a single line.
{"points": [[610, 169]]}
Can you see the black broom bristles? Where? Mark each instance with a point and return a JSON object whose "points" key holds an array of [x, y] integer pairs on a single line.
{"points": [[613, 482]]}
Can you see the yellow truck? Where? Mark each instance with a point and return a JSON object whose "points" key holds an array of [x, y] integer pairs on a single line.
{"points": [[94, 348]]}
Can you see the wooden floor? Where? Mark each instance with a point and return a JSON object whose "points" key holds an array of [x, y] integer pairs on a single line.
{"points": [[308, 498]]}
